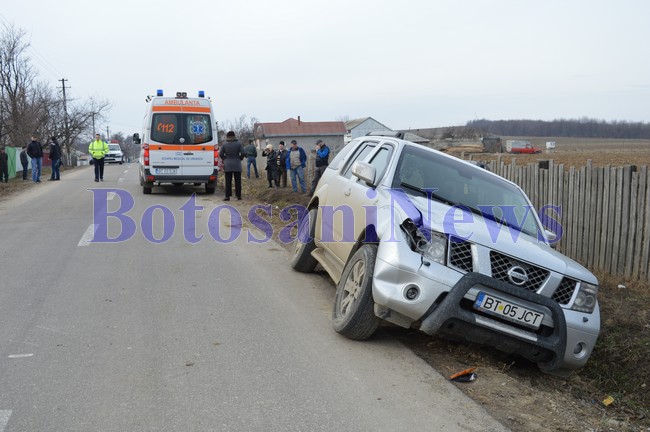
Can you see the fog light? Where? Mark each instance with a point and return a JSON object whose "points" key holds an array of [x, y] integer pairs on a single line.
{"points": [[412, 293], [580, 350]]}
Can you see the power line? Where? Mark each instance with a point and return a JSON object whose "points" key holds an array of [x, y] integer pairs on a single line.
{"points": [[35, 55]]}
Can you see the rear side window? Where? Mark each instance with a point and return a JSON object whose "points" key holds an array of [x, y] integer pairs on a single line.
{"points": [[360, 155], [181, 128], [339, 157]]}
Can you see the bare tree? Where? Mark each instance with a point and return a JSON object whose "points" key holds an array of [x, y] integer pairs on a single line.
{"points": [[242, 126], [81, 120], [28, 106], [16, 82]]}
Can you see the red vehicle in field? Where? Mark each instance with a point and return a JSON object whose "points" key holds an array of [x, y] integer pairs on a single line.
{"points": [[521, 147]]}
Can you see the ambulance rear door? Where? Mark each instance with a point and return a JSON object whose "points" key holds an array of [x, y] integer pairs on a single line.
{"points": [[182, 140], [198, 149]]}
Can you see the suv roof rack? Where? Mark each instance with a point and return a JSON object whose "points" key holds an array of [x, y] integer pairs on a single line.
{"points": [[392, 134]]}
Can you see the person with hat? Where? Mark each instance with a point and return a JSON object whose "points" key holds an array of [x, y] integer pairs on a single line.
{"points": [[322, 160], [232, 152], [271, 165], [296, 162]]}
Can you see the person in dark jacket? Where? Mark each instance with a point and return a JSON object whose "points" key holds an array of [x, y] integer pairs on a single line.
{"points": [[35, 151], [251, 159], [281, 159], [4, 165], [55, 157], [24, 161], [271, 165], [232, 152]]}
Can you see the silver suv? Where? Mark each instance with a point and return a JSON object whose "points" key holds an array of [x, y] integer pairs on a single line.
{"points": [[417, 237], [114, 154]]}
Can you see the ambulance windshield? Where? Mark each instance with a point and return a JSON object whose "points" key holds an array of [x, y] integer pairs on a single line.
{"points": [[169, 128]]}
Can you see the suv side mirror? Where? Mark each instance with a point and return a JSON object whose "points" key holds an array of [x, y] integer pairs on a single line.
{"points": [[136, 138], [365, 172]]}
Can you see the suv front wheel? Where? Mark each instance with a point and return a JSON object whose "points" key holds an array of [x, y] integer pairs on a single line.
{"points": [[353, 314], [302, 260]]}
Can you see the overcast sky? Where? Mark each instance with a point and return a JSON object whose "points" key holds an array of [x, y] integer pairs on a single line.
{"points": [[408, 63]]}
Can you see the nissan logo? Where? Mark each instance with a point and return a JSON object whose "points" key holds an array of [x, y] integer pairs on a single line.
{"points": [[517, 275]]}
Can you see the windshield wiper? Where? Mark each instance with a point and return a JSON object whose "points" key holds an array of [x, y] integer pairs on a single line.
{"points": [[500, 220]]}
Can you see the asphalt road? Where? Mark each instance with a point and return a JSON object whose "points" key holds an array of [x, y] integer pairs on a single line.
{"points": [[168, 329]]}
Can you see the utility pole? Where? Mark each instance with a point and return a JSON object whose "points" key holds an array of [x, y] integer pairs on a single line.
{"points": [[107, 135], [66, 139]]}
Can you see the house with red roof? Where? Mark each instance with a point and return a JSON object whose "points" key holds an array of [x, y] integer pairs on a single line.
{"points": [[305, 133]]}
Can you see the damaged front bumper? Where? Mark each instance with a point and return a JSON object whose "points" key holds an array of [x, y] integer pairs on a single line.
{"points": [[441, 300]]}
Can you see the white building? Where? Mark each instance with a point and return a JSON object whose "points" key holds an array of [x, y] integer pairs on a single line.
{"points": [[360, 127]]}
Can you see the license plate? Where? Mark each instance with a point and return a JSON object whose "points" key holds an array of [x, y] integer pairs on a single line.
{"points": [[508, 311], [165, 170]]}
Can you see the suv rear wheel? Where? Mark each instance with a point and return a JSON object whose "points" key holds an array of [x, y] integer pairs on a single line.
{"points": [[354, 316]]}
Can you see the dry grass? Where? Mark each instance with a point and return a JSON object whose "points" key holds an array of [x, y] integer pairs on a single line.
{"points": [[619, 364]]}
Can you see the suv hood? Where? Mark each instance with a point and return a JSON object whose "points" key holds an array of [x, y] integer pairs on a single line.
{"points": [[483, 231]]}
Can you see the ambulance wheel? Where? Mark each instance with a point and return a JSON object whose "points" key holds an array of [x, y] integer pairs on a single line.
{"points": [[146, 188], [209, 188]]}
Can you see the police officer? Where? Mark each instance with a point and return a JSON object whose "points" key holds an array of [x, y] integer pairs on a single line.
{"points": [[98, 150]]}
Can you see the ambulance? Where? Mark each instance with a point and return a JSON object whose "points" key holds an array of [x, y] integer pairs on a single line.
{"points": [[179, 142]]}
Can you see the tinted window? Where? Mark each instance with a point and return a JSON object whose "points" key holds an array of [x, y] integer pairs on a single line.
{"points": [[170, 128]]}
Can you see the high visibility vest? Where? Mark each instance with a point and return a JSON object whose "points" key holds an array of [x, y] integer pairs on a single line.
{"points": [[98, 149]]}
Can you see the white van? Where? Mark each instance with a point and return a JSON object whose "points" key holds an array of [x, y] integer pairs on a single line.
{"points": [[179, 142]]}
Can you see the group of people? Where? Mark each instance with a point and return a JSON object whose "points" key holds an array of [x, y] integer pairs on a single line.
{"points": [[33, 151], [278, 163]]}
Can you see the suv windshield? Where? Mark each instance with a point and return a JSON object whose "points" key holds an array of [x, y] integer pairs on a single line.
{"points": [[170, 128], [421, 172], [114, 147]]}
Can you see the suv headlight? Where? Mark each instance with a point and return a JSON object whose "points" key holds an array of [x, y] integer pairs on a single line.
{"points": [[586, 299], [434, 249]]}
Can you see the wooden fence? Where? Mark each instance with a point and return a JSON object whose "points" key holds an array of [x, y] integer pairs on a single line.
{"points": [[604, 212]]}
